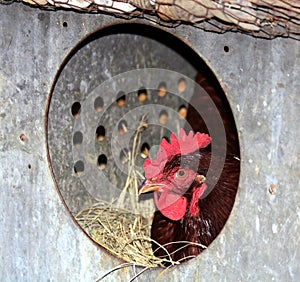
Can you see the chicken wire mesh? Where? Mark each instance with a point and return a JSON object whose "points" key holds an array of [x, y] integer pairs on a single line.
{"points": [[263, 18]]}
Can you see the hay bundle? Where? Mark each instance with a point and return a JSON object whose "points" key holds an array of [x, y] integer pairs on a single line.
{"points": [[125, 234]]}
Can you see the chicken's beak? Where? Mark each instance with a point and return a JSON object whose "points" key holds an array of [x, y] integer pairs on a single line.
{"points": [[148, 186]]}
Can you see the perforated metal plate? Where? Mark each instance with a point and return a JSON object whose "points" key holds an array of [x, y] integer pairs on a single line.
{"points": [[90, 128]]}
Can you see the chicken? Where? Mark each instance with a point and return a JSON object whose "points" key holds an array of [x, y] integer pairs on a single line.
{"points": [[192, 205]]}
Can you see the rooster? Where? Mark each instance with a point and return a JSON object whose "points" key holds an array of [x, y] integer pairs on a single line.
{"points": [[192, 206]]}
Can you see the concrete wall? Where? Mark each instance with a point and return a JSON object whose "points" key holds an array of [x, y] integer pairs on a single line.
{"points": [[38, 239]]}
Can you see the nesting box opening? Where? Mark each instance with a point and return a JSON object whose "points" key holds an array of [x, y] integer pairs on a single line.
{"points": [[145, 148], [181, 85], [117, 96], [75, 109], [121, 99], [100, 133], [142, 94], [98, 104], [77, 138], [79, 168], [102, 161], [122, 127], [162, 89]]}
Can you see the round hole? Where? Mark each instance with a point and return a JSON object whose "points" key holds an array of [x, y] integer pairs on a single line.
{"points": [[162, 89], [272, 189], [124, 156], [226, 49], [122, 127], [65, 24], [181, 85], [77, 138], [142, 95], [79, 167], [121, 98], [100, 133], [102, 161], [163, 117], [182, 112], [76, 107], [91, 59], [145, 148], [23, 137], [29, 166], [98, 104]]}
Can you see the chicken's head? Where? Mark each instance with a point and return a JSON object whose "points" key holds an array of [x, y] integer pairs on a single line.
{"points": [[174, 175]]}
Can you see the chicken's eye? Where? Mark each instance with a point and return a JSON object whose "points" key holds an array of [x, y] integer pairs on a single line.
{"points": [[181, 173]]}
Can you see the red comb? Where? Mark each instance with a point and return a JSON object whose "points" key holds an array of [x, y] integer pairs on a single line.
{"points": [[184, 145]]}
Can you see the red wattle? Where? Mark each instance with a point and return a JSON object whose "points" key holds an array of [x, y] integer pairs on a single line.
{"points": [[171, 205], [197, 193]]}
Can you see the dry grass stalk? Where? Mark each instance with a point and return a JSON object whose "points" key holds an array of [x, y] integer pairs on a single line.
{"points": [[123, 233], [133, 177]]}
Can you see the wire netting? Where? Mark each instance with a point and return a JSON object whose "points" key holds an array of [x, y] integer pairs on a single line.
{"points": [[261, 18]]}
